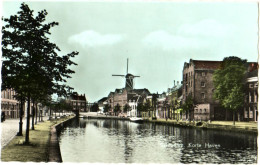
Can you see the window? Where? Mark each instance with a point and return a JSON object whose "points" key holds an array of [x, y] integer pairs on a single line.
{"points": [[203, 95], [245, 113], [256, 85], [250, 113], [205, 110], [250, 85], [203, 74], [200, 110], [203, 84]]}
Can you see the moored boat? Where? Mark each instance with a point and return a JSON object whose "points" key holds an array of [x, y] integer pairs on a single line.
{"points": [[136, 119]]}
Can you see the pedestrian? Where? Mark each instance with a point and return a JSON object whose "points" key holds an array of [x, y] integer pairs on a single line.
{"points": [[3, 116]]}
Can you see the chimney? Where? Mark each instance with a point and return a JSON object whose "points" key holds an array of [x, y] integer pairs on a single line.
{"points": [[177, 82], [174, 82]]}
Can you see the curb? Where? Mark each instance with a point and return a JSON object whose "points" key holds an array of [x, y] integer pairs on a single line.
{"points": [[54, 153]]}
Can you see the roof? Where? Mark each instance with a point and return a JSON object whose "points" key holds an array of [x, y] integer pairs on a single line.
{"points": [[103, 99], [140, 91], [200, 64], [76, 96]]}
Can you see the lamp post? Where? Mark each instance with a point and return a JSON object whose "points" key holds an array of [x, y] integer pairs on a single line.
{"points": [[20, 133]]}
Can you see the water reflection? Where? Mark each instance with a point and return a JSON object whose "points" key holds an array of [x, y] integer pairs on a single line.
{"points": [[114, 141]]}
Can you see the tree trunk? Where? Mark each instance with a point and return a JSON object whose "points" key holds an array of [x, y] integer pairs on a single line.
{"points": [[20, 133], [36, 111], [50, 115], [28, 120], [234, 116], [33, 114], [39, 115], [226, 115]]}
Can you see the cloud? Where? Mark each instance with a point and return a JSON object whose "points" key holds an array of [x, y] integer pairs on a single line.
{"points": [[168, 41], [92, 39], [205, 28], [189, 36]]}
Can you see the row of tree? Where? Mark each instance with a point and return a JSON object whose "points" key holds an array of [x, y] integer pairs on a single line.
{"points": [[31, 63]]}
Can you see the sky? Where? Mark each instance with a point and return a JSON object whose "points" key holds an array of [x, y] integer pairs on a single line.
{"points": [[157, 37]]}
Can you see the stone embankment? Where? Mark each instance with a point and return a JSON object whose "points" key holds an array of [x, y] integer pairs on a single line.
{"points": [[243, 127], [43, 146]]}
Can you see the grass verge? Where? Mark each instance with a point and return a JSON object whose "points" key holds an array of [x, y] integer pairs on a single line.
{"points": [[37, 150]]}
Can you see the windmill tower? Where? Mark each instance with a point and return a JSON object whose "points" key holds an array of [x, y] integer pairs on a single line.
{"points": [[129, 79]]}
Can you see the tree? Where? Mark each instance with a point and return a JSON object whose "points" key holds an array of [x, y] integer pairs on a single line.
{"points": [[140, 108], [126, 108], [154, 103], [117, 109], [188, 106], [147, 106], [31, 64], [94, 107], [106, 108], [229, 84]]}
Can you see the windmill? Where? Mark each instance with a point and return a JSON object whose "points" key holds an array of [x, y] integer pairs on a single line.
{"points": [[129, 79]]}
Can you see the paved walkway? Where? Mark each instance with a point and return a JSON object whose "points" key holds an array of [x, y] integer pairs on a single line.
{"points": [[9, 129]]}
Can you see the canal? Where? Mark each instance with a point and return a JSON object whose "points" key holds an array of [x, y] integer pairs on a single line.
{"points": [[117, 141]]}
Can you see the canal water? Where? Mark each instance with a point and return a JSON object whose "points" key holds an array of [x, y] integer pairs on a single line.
{"points": [[116, 141]]}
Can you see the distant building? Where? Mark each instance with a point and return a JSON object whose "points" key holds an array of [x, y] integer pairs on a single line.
{"points": [[122, 97], [251, 101], [101, 104], [78, 102], [9, 105]]}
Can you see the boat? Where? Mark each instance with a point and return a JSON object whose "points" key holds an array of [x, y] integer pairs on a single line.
{"points": [[136, 119]]}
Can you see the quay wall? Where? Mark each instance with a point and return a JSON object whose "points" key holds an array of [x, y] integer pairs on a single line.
{"points": [[207, 125], [198, 125], [54, 154]]}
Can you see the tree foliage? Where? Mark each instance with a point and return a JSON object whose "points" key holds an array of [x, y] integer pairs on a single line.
{"points": [[189, 105], [126, 108], [106, 108], [30, 61], [94, 107], [229, 83], [117, 109]]}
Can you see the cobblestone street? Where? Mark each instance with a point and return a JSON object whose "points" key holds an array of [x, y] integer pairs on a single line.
{"points": [[10, 127]]}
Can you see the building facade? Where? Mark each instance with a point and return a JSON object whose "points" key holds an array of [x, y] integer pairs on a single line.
{"points": [[250, 112], [78, 102], [198, 83], [9, 105], [123, 96]]}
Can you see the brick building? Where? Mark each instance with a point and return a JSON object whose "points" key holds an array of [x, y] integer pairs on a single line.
{"points": [[251, 101], [122, 96], [9, 105], [78, 102], [198, 82]]}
